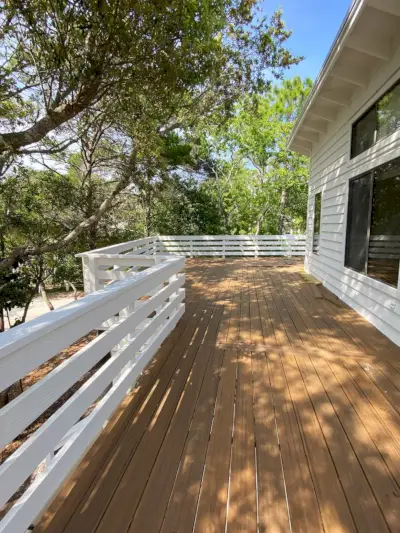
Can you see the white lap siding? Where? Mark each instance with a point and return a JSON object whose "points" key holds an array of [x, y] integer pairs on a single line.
{"points": [[330, 171]]}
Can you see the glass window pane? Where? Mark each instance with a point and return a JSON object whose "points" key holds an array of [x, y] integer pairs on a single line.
{"points": [[364, 133], [388, 116], [317, 222], [384, 247], [358, 222]]}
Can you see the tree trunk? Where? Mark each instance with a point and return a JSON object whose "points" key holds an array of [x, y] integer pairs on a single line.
{"points": [[43, 292], [148, 206], [68, 285], [11, 392], [92, 237], [13, 141], [2, 324], [282, 212]]}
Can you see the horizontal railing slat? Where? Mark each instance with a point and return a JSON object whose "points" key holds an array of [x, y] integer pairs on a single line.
{"points": [[136, 314], [43, 489], [214, 245], [29, 345], [253, 238], [19, 466], [117, 248], [18, 414]]}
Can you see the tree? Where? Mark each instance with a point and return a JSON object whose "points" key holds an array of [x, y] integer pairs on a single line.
{"points": [[182, 206], [62, 57], [260, 185], [138, 71]]}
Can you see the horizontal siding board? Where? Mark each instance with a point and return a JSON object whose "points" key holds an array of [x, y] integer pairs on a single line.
{"points": [[330, 171], [375, 301]]}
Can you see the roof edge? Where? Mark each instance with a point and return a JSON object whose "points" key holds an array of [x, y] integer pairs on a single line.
{"points": [[346, 26]]}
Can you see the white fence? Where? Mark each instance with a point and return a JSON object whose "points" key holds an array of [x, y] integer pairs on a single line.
{"points": [[134, 316], [209, 245], [232, 245]]}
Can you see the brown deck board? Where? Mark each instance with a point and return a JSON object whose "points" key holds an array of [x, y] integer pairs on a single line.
{"points": [[269, 409], [120, 510], [212, 507], [181, 511], [273, 510], [242, 511]]}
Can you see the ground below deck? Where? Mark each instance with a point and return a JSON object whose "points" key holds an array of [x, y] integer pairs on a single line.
{"points": [[271, 407]]}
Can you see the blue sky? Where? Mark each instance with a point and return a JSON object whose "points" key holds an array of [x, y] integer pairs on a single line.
{"points": [[315, 24]]}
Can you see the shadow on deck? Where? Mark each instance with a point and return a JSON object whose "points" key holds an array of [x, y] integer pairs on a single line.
{"points": [[268, 408]]}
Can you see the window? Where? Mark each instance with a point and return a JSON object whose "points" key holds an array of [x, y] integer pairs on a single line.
{"points": [[378, 122], [373, 224], [358, 223], [388, 113], [317, 222], [364, 133]]}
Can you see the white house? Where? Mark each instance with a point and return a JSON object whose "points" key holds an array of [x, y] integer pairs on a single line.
{"points": [[350, 129]]}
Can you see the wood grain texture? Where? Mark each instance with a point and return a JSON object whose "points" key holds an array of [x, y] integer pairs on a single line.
{"points": [[268, 409]]}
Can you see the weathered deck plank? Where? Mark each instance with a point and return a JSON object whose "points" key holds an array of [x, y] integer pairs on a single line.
{"points": [[268, 409]]}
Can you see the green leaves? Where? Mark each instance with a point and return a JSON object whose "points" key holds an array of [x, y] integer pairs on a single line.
{"points": [[259, 185], [67, 56]]}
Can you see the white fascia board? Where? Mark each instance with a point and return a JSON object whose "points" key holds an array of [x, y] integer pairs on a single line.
{"points": [[344, 32]]}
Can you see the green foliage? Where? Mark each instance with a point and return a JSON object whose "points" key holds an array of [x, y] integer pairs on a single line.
{"points": [[123, 118], [61, 57], [14, 289], [259, 185], [185, 207]]}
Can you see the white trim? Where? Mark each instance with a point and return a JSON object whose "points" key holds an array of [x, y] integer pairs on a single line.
{"points": [[345, 30]]}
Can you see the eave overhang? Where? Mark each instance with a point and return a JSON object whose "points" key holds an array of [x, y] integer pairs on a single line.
{"points": [[367, 39]]}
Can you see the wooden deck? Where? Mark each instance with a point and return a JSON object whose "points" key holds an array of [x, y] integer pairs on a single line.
{"points": [[270, 408]]}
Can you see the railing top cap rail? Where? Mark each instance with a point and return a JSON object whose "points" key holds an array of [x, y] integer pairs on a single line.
{"points": [[232, 237], [117, 247], [17, 337]]}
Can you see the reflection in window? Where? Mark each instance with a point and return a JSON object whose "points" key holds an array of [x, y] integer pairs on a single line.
{"points": [[373, 224], [384, 245], [358, 222], [317, 222], [364, 133], [381, 120], [388, 113]]}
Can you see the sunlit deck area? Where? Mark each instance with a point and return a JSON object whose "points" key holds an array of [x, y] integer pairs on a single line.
{"points": [[271, 407]]}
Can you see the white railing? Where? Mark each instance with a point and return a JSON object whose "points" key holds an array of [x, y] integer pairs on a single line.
{"points": [[232, 245], [132, 316], [201, 245]]}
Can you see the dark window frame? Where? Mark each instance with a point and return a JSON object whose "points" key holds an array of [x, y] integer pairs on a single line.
{"points": [[316, 252], [372, 175], [369, 174], [363, 116]]}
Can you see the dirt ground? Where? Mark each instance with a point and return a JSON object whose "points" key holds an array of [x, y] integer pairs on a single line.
{"points": [[38, 306]]}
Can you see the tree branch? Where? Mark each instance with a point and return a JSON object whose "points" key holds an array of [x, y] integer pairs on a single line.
{"points": [[49, 151], [22, 253], [12, 142]]}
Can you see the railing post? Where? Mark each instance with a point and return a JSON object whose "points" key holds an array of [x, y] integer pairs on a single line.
{"points": [[290, 250], [91, 282]]}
